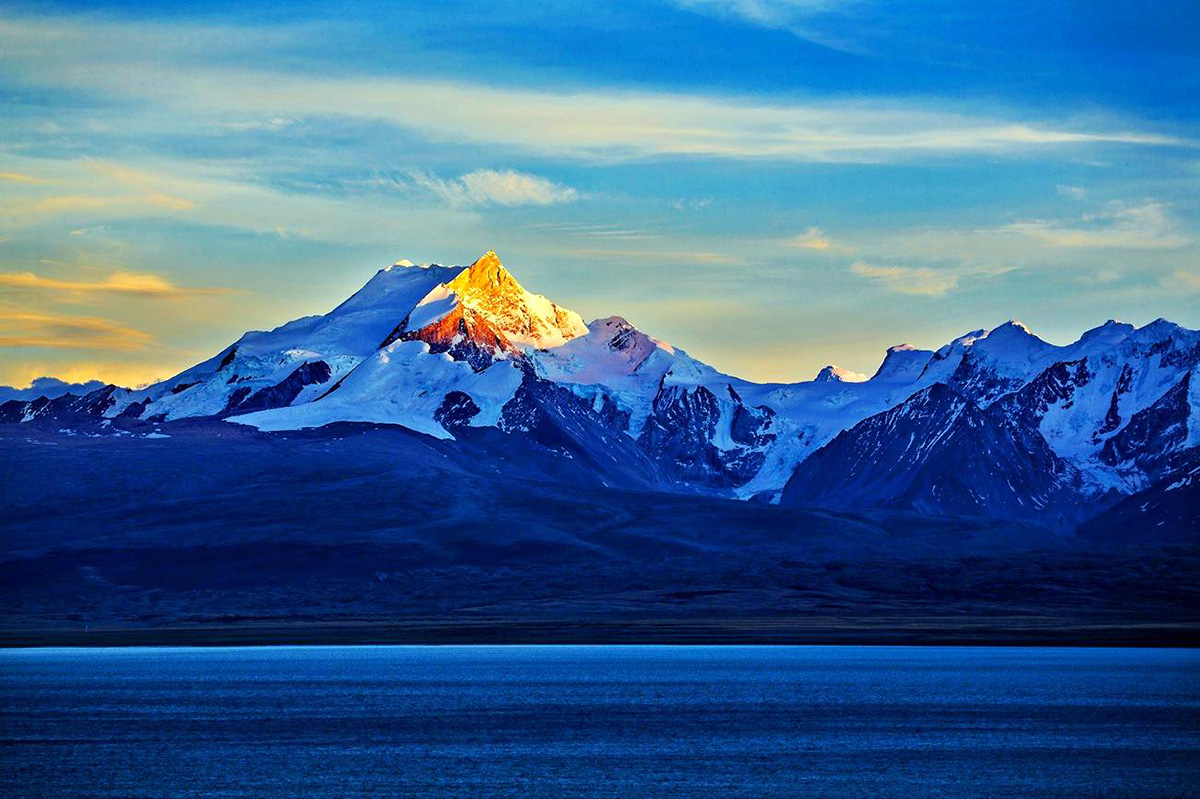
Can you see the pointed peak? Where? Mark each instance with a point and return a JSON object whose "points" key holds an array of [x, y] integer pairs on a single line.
{"points": [[836, 374], [614, 321], [1159, 327], [1012, 326], [526, 319], [486, 274], [488, 262]]}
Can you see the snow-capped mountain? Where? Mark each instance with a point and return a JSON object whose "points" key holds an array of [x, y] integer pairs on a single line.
{"points": [[940, 452], [294, 363], [1104, 417], [487, 291], [996, 421]]}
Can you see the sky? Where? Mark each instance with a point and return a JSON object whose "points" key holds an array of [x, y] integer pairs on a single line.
{"points": [[773, 185]]}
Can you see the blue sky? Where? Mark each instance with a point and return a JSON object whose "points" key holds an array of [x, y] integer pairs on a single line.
{"points": [[771, 184]]}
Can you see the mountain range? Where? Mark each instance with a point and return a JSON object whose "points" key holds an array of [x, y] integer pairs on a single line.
{"points": [[447, 456], [997, 423]]}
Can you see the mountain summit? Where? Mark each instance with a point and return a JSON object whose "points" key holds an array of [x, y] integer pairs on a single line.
{"points": [[488, 289]]}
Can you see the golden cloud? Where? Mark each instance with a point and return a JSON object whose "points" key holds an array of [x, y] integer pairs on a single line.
{"points": [[129, 283], [815, 239], [1183, 280], [143, 368], [17, 177], [907, 279], [79, 202], [59, 331]]}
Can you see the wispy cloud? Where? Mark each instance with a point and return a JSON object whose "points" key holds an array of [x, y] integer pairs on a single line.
{"points": [[664, 256], [586, 123], [493, 187], [802, 18], [617, 127], [233, 194], [17, 177], [127, 283], [75, 202], [908, 279], [58, 331], [607, 232], [1183, 280], [1080, 244], [1146, 226], [90, 187], [815, 239]]}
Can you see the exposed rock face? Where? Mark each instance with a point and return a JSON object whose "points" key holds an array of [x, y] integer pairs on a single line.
{"points": [[1055, 386], [1153, 436], [941, 453], [686, 430], [466, 335], [1168, 509], [235, 399], [563, 422], [228, 358], [282, 393], [1112, 419], [457, 410], [975, 378], [66, 408]]}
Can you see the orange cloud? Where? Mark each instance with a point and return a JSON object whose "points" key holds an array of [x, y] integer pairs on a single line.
{"points": [[811, 239], [59, 331], [907, 279], [136, 373], [17, 177], [815, 239], [79, 202], [1183, 280], [117, 283]]}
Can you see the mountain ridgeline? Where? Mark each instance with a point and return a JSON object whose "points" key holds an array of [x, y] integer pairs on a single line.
{"points": [[1102, 435]]}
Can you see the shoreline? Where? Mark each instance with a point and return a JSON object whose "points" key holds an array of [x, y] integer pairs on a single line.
{"points": [[634, 633]]}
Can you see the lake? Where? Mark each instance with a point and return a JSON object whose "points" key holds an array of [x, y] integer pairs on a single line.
{"points": [[606, 721]]}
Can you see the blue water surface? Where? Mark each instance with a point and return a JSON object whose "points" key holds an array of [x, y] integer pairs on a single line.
{"points": [[599, 721]]}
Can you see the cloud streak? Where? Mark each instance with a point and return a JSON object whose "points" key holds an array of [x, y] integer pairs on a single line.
{"points": [[18, 177], [802, 18], [815, 239], [1147, 226], [919, 280], [122, 283], [75, 202], [587, 124], [59, 331], [485, 187]]}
